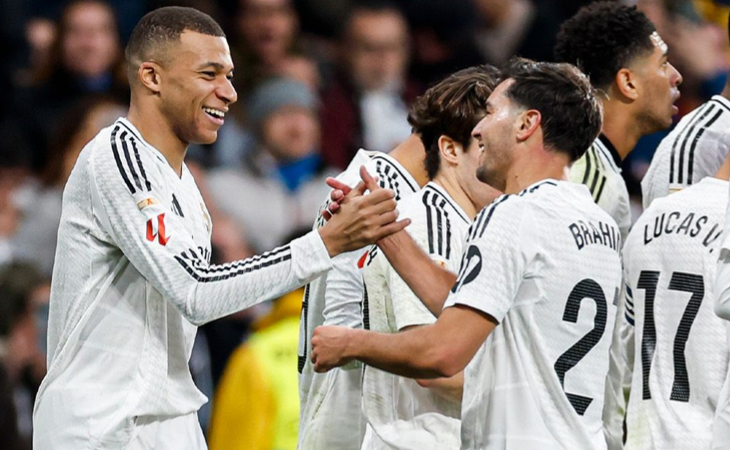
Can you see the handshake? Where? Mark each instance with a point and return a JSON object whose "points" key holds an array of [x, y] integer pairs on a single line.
{"points": [[355, 219]]}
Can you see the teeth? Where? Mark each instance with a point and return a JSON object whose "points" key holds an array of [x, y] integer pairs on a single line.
{"points": [[214, 112]]}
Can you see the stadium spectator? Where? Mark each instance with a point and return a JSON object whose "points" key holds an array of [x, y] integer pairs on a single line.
{"points": [[21, 362], [366, 105], [85, 58], [40, 203], [282, 183], [506, 28]]}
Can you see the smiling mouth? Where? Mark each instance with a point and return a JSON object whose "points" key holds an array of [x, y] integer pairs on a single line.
{"points": [[214, 113]]}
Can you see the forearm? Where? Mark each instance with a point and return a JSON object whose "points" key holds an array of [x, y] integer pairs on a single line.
{"points": [[451, 388], [410, 354], [217, 291], [429, 281]]}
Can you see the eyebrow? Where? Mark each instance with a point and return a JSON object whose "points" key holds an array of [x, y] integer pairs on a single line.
{"points": [[218, 66]]}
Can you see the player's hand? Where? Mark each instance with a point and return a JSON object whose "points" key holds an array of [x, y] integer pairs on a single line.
{"points": [[328, 347], [337, 196], [362, 219]]}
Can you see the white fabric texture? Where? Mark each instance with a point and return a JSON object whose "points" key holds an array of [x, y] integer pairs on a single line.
{"points": [[545, 264], [694, 149], [131, 281], [402, 414], [330, 403], [680, 345]]}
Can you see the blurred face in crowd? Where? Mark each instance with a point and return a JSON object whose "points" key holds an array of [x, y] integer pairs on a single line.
{"points": [[659, 81], [100, 116], [195, 87], [89, 39], [268, 27], [377, 49], [291, 133]]}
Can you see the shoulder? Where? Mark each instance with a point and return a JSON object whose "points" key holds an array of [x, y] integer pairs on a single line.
{"points": [[119, 155]]}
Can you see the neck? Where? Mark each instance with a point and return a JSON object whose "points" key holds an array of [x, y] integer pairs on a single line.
{"points": [[620, 127], [158, 133], [539, 165], [456, 192], [410, 154]]}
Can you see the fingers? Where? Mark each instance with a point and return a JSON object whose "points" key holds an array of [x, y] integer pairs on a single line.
{"points": [[370, 182], [338, 185]]}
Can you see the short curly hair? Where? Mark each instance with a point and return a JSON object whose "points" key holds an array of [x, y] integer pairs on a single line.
{"points": [[602, 38], [452, 108]]}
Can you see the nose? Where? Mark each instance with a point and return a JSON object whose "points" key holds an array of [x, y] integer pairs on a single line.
{"points": [[476, 133], [677, 76], [227, 92]]}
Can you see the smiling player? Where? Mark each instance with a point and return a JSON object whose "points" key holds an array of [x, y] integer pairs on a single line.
{"points": [[133, 278]]}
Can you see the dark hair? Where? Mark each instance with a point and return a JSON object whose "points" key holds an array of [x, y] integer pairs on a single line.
{"points": [[571, 114], [163, 26], [602, 38], [452, 108]]}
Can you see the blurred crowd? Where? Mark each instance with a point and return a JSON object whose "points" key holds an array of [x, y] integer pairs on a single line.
{"points": [[317, 80]]}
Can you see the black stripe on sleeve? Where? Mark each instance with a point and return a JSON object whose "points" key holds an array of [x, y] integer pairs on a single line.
{"points": [[429, 220], [600, 188], [118, 160], [489, 215], [205, 273], [588, 165], [695, 121], [147, 183], [693, 147], [128, 158]]}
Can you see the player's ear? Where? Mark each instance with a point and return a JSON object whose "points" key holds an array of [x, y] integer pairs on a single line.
{"points": [[448, 148], [149, 74], [627, 83], [527, 123]]}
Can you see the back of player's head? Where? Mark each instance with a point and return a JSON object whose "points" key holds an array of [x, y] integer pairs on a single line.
{"points": [[602, 38], [452, 108], [571, 114], [162, 27]]}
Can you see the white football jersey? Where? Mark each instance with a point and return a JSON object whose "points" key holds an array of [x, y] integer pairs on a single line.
{"points": [[131, 282], [402, 414], [545, 264], [600, 170], [695, 149], [680, 344], [331, 403], [721, 291]]}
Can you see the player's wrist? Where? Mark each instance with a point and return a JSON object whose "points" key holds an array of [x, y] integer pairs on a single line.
{"points": [[330, 240]]}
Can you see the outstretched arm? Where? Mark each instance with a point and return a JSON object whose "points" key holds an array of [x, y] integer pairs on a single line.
{"points": [[428, 280], [439, 350]]}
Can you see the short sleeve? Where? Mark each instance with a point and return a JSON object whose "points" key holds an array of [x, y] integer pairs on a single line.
{"points": [[494, 262]]}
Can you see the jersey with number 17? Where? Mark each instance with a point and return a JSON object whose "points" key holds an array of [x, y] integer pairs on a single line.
{"points": [[680, 344]]}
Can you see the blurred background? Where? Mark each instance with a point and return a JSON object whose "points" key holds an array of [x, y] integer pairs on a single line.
{"points": [[317, 80]]}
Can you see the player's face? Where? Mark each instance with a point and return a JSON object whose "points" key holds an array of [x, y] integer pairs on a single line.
{"points": [[196, 89], [479, 193], [659, 82], [495, 138]]}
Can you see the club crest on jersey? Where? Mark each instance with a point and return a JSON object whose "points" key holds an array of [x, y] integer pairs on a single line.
{"points": [[146, 203], [156, 230]]}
